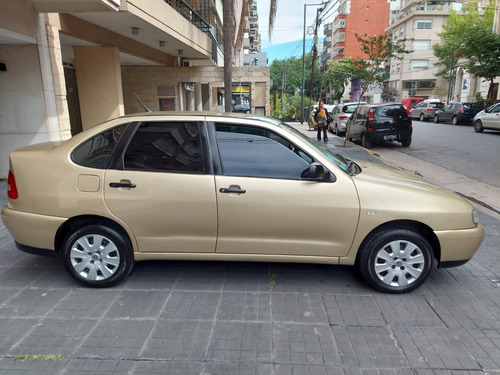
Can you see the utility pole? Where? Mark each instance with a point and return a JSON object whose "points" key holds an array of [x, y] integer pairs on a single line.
{"points": [[304, 64], [283, 85], [314, 53]]}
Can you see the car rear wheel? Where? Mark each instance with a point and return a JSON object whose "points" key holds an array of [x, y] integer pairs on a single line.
{"points": [[97, 256], [406, 142], [422, 117], [478, 126], [365, 142], [454, 120], [395, 260], [436, 119]]}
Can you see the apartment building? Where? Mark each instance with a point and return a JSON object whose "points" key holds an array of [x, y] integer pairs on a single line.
{"points": [[67, 65], [365, 18], [415, 74]]}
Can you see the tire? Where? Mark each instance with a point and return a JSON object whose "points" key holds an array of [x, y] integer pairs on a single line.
{"points": [[97, 256], [421, 117], [395, 260], [364, 142], [478, 126], [406, 142], [454, 120], [436, 119]]}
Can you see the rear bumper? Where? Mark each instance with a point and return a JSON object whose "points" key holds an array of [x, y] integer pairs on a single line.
{"points": [[376, 137], [32, 230]]}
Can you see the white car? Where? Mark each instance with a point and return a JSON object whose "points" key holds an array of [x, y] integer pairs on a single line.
{"points": [[488, 118]]}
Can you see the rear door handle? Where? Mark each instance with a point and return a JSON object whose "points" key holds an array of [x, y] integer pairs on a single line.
{"points": [[122, 185], [232, 190]]}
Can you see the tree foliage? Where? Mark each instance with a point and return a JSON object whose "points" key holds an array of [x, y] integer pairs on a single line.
{"points": [[294, 75], [469, 42], [337, 77]]}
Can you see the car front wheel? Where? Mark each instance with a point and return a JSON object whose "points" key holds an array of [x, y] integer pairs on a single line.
{"points": [[97, 256], [395, 260], [436, 119], [454, 120], [478, 126]]}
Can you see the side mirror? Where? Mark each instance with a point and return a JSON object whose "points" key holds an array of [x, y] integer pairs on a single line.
{"points": [[315, 172]]}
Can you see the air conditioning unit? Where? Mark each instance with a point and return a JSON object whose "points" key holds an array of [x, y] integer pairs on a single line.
{"points": [[186, 63]]}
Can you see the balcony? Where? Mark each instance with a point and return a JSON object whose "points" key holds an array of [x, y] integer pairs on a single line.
{"points": [[67, 6]]}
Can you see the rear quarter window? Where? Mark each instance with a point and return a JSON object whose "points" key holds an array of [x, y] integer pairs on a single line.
{"points": [[96, 151]]}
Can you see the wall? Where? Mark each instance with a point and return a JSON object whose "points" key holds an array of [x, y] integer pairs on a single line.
{"points": [[22, 105], [145, 80]]}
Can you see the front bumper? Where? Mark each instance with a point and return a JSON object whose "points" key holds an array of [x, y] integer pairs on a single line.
{"points": [[458, 246]]}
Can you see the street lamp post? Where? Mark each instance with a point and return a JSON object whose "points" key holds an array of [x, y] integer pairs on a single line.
{"points": [[304, 64]]}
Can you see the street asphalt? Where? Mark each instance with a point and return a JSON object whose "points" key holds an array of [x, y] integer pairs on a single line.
{"points": [[211, 318]]}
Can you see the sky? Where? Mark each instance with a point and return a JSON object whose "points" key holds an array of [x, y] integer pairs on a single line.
{"points": [[288, 32]]}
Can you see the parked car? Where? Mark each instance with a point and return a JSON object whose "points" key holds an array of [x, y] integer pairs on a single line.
{"points": [[488, 118], [426, 110], [376, 123], [341, 113], [410, 103], [241, 108], [205, 186], [458, 113]]}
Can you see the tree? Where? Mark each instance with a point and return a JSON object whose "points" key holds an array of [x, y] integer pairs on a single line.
{"points": [[337, 76], [371, 70], [294, 80], [470, 44]]}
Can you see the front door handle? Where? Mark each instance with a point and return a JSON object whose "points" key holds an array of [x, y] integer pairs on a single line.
{"points": [[128, 185], [232, 190]]}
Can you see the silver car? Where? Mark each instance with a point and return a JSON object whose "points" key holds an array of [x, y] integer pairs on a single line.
{"points": [[341, 114], [425, 110], [488, 118]]}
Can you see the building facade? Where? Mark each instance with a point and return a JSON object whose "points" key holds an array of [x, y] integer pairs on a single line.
{"points": [[68, 65], [365, 18], [415, 74]]}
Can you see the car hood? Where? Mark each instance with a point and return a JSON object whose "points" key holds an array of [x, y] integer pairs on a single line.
{"points": [[400, 194]]}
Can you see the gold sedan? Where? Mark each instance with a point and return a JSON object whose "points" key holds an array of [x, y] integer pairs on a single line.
{"points": [[204, 186]]}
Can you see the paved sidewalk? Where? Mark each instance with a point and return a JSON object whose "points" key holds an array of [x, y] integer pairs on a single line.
{"points": [[211, 318]]}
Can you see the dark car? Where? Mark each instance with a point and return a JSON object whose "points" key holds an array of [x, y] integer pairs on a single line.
{"points": [[458, 113], [378, 123], [241, 108]]}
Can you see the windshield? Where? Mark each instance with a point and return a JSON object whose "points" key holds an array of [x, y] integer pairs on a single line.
{"points": [[334, 158]]}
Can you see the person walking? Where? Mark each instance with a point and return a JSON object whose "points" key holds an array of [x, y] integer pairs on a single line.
{"points": [[320, 121]]}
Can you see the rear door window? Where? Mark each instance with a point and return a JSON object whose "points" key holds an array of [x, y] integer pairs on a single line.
{"points": [[166, 147]]}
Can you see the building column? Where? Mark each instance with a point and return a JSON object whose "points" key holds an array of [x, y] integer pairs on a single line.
{"points": [[190, 100], [198, 97], [98, 75]]}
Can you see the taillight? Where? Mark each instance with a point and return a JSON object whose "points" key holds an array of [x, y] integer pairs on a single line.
{"points": [[430, 109], [461, 110], [11, 186], [343, 117], [370, 115]]}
